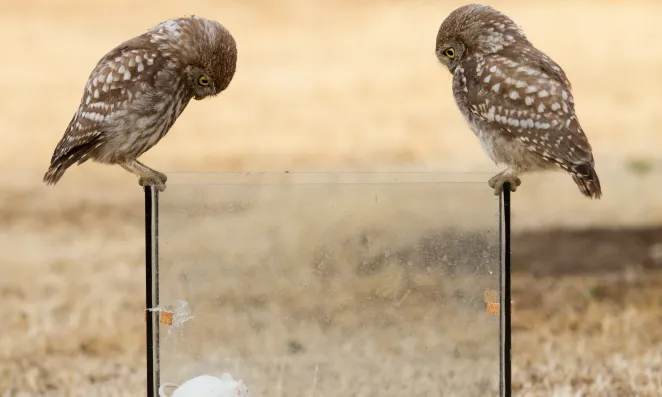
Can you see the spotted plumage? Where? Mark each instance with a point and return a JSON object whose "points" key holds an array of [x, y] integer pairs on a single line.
{"points": [[516, 99], [138, 89]]}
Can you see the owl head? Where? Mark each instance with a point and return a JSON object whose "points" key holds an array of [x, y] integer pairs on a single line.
{"points": [[474, 29], [206, 53]]}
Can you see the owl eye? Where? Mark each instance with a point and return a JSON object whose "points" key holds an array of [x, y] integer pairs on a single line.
{"points": [[203, 81], [450, 52]]}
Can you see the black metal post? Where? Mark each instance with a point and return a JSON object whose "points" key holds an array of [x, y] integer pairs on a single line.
{"points": [[505, 304], [151, 291]]}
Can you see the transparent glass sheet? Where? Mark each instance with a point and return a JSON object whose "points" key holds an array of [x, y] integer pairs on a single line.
{"points": [[331, 284]]}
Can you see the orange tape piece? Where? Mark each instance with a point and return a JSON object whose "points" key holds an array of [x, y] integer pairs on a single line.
{"points": [[165, 318], [493, 309]]}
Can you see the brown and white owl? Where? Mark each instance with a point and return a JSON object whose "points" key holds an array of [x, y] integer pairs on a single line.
{"points": [[516, 99], [138, 89]]}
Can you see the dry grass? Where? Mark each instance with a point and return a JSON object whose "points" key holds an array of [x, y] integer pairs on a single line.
{"points": [[321, 85]]}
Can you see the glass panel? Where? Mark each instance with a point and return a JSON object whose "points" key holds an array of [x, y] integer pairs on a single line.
{"points": [[331, 284]]}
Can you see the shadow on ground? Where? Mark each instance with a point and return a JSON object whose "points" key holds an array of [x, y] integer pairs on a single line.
{"points": [[584, 252]]}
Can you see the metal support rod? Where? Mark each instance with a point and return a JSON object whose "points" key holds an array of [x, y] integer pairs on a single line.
{"points": [[505, 304], [151, 291]]}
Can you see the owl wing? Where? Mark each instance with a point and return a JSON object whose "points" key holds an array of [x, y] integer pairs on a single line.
{"points": [[531, 104], [118, 79]]}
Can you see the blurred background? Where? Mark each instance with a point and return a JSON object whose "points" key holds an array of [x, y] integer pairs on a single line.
{"points": [[332, 85]]}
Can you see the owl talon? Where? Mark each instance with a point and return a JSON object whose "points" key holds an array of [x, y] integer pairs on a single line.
{"points": [[162, 177], [157, 182], [497, 182]]}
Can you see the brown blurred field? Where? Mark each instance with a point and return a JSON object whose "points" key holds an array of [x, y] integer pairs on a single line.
{"points": [[333, 85]]}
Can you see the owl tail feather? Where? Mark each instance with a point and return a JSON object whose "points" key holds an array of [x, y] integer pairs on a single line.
{"points": [[60, 164], [587, 180], [53, 175]]}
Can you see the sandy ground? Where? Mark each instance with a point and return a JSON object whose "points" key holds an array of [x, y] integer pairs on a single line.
{"points": [[332, 86]]}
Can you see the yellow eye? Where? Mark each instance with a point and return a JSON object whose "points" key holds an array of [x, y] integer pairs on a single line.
{"points": [[450, 52], [203, 81]]}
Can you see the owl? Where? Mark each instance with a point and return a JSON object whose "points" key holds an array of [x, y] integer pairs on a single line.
{"points": [[516, 99], [138, 89]]}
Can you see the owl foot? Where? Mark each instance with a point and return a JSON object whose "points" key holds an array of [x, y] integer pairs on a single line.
{"points": [[146, 175], [157, 179], [498, 180]]}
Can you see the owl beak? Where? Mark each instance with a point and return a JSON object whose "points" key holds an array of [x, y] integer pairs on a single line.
{"points": [[197, 98]]}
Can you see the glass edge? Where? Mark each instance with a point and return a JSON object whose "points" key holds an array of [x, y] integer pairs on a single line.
{"points": [[384, 177]]}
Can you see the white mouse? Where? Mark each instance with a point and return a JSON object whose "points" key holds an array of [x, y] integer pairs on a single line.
{"points": [[208, 386]]}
